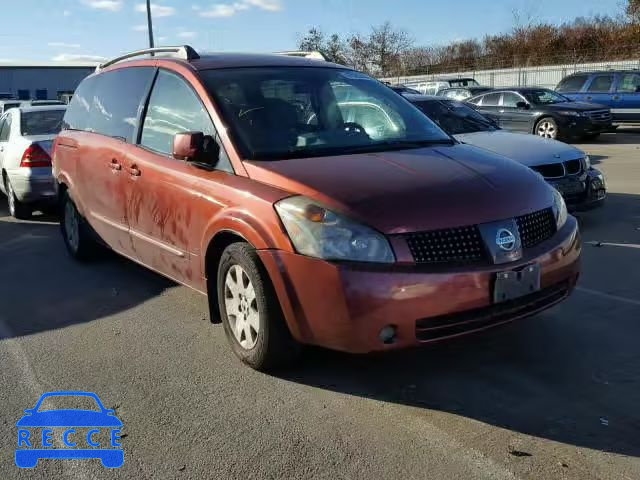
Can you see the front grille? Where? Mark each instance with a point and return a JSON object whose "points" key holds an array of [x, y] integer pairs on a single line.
{"points": [[600, 115], [457, 323], [550, 170], [451, 245], [536, 227], [464, 245], [573, 167]]}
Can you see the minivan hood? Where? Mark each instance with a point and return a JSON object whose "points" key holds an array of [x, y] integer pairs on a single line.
{"points": [[413, 190], [530, 150]]}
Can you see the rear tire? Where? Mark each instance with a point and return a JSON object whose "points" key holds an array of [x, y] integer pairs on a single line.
{"points": [[547, 128], [250, 312], [75, 231], [17, 209]]}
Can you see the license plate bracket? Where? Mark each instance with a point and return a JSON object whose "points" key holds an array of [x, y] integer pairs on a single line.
{"points": [[513, 284]]}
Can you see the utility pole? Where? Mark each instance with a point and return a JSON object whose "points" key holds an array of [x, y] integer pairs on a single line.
{"points": [[149, 24]]}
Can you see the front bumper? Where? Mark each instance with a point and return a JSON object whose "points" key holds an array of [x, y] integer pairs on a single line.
{"points": [[582, 126], [345, 307], [583, 193], [33, 184]]}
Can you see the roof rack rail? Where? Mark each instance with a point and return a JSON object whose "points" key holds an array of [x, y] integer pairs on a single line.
{"points": [[185, 52], [315, 55]]}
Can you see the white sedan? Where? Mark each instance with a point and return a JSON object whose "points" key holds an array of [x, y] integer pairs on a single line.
{"points": [[26, 138]]}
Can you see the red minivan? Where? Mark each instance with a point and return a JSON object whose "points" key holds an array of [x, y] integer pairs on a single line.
{"points": [[311, 203]]}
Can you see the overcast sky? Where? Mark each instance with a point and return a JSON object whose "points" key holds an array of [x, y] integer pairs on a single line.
{"points": [[73, 29]]}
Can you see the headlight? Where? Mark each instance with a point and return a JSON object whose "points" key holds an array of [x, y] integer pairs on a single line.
{"points": [[587, 162], [570, 113], [318, 232], [559, 209]]}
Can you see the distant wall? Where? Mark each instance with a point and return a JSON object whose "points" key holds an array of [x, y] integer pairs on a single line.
{"points": [[51, 79], [545, 76]]}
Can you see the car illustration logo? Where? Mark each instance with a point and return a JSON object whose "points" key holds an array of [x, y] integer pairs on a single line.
{"points": [[69, 433], [505, 240]]}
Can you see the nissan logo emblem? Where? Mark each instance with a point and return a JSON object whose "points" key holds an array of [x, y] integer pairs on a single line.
{"points": [[505, 240]]}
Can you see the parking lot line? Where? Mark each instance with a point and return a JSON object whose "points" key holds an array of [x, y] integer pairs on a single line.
{"points": [[608, 296]]}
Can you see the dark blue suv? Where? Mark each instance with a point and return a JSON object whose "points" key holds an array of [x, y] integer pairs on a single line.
{"points": [[617, 89]]}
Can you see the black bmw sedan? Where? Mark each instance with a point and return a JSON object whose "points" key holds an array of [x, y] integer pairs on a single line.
{"points": [[543, 112]]}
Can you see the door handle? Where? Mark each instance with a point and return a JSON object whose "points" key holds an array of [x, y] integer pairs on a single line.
{"points": [[134, 170], [616, 97], [500, 111], [589, 97], [114, 165]]}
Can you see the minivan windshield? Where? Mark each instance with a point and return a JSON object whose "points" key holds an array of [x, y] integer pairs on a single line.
{"points": [[455, 117], [278, 113]]}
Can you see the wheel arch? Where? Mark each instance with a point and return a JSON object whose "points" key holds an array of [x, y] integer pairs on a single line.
{"points": [[212, 255]]}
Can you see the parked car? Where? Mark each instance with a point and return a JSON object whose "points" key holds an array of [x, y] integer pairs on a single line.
{"points": [[7, 104], [462, 93], [434, 86], [42, 103], [617, 89], [26, 137], [238, 176], [402, 89], [543, 112], [565, 167]]}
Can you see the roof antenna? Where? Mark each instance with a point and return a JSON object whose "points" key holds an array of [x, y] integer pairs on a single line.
{"points": [[150, 25]]}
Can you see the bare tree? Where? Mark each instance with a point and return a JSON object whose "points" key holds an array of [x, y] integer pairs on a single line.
{"points": [[333, 47], [633, 10], [386, 46]]}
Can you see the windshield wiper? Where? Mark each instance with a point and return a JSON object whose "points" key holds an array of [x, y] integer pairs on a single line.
{"points": [[395, 145]]}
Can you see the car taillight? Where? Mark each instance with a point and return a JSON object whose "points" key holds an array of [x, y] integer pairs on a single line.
{"points": [[35, 156]]}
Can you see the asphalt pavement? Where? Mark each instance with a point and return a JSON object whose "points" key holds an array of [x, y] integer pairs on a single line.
{"points": [[556, 396]]}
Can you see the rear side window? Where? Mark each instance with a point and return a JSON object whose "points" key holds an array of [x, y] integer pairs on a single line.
{"points": [[6, 129], [629, 83], [173, 108], [44, 122], [601, 83], [108, 103], [116, 99], [490, 100], [572, 84]]}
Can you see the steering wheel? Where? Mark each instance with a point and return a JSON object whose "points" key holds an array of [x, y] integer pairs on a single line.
{"points": [[353, 128]]}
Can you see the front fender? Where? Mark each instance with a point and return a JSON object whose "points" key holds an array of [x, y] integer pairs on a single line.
{"points": [[264, 232]]}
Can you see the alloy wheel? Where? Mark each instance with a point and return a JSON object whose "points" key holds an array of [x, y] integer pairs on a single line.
{"points": [[10, 197], [241, 307], [547, 130]]}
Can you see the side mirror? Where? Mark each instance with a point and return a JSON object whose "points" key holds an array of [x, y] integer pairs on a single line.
{"points": [[197, 148], [188, 145], [29, 410], [522, 106]]}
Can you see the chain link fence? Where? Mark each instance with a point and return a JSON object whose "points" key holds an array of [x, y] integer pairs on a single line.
{"points": [[494, 74]]}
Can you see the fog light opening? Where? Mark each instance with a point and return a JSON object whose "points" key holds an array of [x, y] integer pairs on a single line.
{"points": [[388, 334]]}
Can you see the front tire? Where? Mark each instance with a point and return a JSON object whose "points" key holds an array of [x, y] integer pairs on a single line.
{"points": [[250, 311], [17, 209], [75, 233], [547, 128]]}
